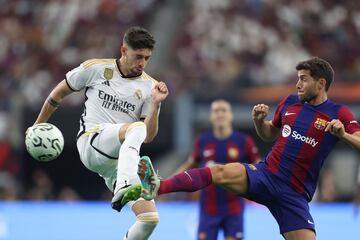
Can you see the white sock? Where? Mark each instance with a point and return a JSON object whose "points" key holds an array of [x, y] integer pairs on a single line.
{"points": [[143, 227], [129, 154]]}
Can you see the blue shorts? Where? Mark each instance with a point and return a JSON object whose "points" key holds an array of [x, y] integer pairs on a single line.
{"points": [[209, 226], [289, 208]]}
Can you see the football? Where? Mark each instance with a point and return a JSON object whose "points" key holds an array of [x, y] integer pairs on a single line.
{"points": [[44, 142]]}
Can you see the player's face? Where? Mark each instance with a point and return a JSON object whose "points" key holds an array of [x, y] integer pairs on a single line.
{"points": [[221, 114], [308, 88], [136, 60]]}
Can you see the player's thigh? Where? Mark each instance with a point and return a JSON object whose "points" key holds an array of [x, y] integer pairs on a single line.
{"points": [[105, 140], [208, 227], [142, 206], [99, 151], [301, 234], [291, 211], [231, 176]]}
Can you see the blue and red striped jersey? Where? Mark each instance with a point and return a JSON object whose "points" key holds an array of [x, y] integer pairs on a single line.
{"points": [[302, 146], [208, 150]]}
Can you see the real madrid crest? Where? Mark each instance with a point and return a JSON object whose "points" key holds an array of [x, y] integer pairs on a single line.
{"points": [[108, 73], [320, 124], [138, 94]]}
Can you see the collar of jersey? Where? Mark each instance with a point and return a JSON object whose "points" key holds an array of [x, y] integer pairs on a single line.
{"points": [[122, 74]]}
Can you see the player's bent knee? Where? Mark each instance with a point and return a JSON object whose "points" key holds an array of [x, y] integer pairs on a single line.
{"points": [[136, 129], [231, 176], [217, 173], [136, 126], [222, 174]]}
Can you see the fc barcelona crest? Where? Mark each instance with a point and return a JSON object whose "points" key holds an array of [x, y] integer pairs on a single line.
{"points": [[320, 124], [233, 152], [108, 73]]}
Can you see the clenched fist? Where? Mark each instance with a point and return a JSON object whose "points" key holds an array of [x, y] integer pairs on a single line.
{"points": [[335, 127], [260, 112], [159, 92]]}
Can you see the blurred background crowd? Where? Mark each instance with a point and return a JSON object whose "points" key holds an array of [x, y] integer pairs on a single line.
{"points": [[244, 51]]}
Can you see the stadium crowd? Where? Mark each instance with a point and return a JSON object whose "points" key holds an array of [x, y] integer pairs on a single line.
{"points": [[230, 44]]}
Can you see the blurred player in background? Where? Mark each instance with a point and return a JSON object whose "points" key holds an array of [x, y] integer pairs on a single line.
{"points": [[306, 128], [121, 110], [220, 209]]}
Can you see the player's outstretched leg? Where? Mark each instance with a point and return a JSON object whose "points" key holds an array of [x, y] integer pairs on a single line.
{"points": [[126, 188], [125, 195], [188, 181]]}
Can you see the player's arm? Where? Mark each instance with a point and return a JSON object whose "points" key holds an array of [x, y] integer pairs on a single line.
{"points": [[53, 101], [152, 122], [352, 139], [336, 127], [345, 128], [158, 94], [264, 128]]}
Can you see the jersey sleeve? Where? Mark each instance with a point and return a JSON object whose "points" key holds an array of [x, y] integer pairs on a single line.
{"points": [[79, 78], [348, 119], [276, 121], [251, 151], [196, 150]]}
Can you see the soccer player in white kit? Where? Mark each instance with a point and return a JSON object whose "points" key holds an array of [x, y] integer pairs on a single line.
{"points": [[121, 110]]}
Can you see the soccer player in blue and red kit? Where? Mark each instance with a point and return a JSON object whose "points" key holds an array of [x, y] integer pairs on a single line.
{"points": [[306, 128], [220, 209]]}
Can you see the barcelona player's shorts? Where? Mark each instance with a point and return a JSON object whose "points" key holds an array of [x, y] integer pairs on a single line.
{"points": [[290, 209], [209, 226]]}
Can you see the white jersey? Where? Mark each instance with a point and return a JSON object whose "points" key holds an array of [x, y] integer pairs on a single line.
{"points": [[109, 96]]}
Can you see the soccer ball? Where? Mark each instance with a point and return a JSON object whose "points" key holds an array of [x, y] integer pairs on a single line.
{"points": [[44, 142]]}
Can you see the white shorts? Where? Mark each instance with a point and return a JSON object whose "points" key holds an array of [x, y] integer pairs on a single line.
{"points": [[99, 151]]}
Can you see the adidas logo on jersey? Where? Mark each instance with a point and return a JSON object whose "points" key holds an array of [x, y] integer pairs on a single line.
{"points": [[107, 83], [286, 132]]}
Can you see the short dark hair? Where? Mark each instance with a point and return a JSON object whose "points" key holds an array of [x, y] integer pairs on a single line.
{"points": [[319, 68], [139, 38]]}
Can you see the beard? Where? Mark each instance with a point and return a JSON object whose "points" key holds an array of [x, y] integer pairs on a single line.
{"points": [[308, 97]]}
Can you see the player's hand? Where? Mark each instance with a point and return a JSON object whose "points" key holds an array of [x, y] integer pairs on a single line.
{"points": [[159, 92], [335, 127], [260, 112]]}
